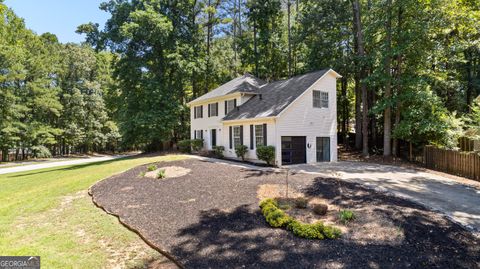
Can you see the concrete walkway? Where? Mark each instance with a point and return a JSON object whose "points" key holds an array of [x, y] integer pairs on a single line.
{"points": [[24, 168], [458, 201]]}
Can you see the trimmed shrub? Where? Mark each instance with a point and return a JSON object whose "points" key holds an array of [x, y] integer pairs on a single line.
{"points": [[185, 146], [151, 167], [266, 154], [301, 202], [346, 216], [218, 151], [277, 218], [320, 209], [41, 152], [161, 174], [241, 150], [197, 144]]}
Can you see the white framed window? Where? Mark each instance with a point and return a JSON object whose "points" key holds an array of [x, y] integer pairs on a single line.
{"points": [[198, 112], [237, 139], [230, 105], [259, 135], [213, 110], [320, 99], [198, 134]]}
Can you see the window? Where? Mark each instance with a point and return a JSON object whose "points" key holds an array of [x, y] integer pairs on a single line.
{"points": [[237, 139], [213, 110], [198, 112], [320, 99], [198, 134], [230, 105], [259, 135]]}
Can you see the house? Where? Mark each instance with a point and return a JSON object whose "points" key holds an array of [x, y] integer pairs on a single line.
{"points": [[298, 116]]}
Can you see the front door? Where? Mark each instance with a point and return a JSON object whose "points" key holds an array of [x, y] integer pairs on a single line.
{"points": [[294, 149], [214, 137], [323, 149]]}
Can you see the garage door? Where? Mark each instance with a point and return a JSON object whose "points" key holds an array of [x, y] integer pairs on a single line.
{"points": [[294, 149]]}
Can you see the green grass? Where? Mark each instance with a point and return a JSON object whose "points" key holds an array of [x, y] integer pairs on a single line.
{"points": [[49, 213]]}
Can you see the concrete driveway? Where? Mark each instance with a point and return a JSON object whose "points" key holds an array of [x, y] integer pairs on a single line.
{"points": [[460, 202]]}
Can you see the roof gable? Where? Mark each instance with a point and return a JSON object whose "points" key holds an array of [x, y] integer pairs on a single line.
{"points": [[275, 97], [245, 84]]}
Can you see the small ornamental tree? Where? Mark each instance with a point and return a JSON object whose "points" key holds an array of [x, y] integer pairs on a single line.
{"points": [[241, 150], [266, 154]]}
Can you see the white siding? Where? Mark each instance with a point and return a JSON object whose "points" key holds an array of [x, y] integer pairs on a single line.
{"points": [[302, 119], [251, 155]]}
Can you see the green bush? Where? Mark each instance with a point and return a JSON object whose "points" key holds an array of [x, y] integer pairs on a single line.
{"points": [[346, 216], [277, 218], [151, 167], [241, 150], [41, 152], [185, 146], [266, 154], [218, 151], [197, 144], [301, 202], [161, 174]]}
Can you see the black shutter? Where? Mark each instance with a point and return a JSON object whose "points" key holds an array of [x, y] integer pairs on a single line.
{"points": [[264, 134], [251, 136], [201, 111], [230, 135], [209, 110], [194, 112], [241, 134], [225, 107], [201, 134], [235, 103], [216, 109], [194, 134]]}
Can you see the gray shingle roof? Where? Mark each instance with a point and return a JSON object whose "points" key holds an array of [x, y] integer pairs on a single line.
{"points": [[246, 83], [275, 97]]}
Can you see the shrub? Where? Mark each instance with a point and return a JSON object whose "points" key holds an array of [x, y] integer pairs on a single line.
{"points": [[320, 209], [218, 151], [197, 144], [346, 216], [266, 154], [142, 174], [151, 167], [185, 146], [301, 202], [41, 152], [161, 174], [241, 150], [277, 218]]}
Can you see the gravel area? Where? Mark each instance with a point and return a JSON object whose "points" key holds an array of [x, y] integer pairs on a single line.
{"points": [[210, 219]]}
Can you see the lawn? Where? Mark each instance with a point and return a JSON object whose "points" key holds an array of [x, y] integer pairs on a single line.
{"points": [[49, 213]]}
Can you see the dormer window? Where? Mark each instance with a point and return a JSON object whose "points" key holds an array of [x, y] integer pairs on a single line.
{"points": [[198, 112]]}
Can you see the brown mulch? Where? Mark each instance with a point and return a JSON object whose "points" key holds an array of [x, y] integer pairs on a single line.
{"points": [[210, 219]]}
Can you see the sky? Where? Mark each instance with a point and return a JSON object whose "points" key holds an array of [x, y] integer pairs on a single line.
{"points": [[60, 17]]}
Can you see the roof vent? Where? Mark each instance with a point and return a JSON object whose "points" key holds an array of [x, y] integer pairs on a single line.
{"points": [[260, 96]]}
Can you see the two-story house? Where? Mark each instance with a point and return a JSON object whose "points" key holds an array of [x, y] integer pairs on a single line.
{"points": [[298, 116]]}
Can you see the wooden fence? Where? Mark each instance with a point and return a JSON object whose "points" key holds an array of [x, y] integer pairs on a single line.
{"points": [[453, 162]]}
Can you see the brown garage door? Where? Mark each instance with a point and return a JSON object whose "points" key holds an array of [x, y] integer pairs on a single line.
{"points": [[294, 149]]}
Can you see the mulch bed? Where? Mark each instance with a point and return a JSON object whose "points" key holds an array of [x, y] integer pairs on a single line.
{"points": [[210, 219]]}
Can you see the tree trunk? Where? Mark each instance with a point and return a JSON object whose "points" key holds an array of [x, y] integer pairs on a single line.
{"points": [[255, 47], [289, 41], [344, 112], [358, 114], [398, 75], [387, 117], [357, 13]]}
